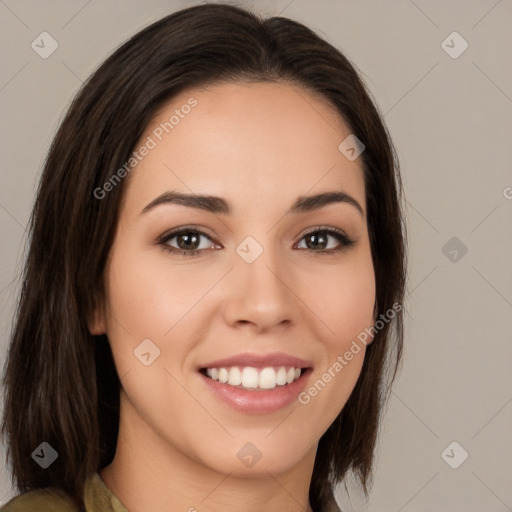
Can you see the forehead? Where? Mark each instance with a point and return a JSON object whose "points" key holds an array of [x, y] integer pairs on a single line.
{"points": [[263, 141]]}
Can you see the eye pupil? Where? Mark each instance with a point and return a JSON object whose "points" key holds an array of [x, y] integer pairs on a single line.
{"points": [[188, 238], [315, 239]]}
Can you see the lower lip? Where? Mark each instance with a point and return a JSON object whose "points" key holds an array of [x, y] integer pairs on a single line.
{"points": [[257, 401]]}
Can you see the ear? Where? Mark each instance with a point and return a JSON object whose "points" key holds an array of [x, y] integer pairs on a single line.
{"points": [[96, 323]]}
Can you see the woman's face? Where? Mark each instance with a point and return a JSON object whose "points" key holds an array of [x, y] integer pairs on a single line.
{"points": [[264, 280]]}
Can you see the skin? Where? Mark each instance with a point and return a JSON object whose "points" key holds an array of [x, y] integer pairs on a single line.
{"points": [[259, 146]]}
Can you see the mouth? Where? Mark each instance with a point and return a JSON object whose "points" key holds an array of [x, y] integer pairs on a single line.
{"points": [[256, 379], [252, 390]]}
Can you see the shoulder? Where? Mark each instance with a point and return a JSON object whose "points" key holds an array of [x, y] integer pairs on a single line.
{"points": [[49, 500]]}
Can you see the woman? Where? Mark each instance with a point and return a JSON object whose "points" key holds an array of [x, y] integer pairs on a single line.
{"points": [[212, 300]]}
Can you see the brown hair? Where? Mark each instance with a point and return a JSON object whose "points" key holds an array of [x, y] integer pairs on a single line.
{"points": [[61, 385]]}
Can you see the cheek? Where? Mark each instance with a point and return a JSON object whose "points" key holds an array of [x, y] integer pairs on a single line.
{"points": [[150, 296], [150, 301], [345, 305], [352, 310], [344, 300]]}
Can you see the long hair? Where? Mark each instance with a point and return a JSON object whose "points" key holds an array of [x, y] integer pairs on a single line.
{"points": [[61, 385]]}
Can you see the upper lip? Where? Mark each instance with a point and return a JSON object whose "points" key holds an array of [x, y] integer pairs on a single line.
{"points": [[259, 361]]}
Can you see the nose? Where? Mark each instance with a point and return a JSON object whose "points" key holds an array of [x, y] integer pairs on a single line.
{"points": [[261, 294]]}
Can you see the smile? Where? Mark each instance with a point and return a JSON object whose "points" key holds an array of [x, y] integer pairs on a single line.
{"points": [[254, 378], [255, 391]]}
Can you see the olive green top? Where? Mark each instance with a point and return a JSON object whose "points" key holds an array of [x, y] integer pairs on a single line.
{"points": [[97, 498]]}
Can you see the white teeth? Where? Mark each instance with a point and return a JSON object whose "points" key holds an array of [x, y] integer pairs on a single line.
{"points": [[223, 375], [252, 378], [235, 377], [268, 378], [281, 376]]}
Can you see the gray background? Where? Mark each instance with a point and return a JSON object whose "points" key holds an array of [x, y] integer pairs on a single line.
{"points": [[451, 120]]}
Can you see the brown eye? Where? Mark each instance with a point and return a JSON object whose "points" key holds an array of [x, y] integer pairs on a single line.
{"points": [[188, 242], [318, 241]]}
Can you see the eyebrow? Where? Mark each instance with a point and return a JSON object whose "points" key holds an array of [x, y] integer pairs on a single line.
{"points": [[218, 205]]}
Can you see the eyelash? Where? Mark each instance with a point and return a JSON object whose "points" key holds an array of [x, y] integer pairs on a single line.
{"points": [[345, 241]]}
